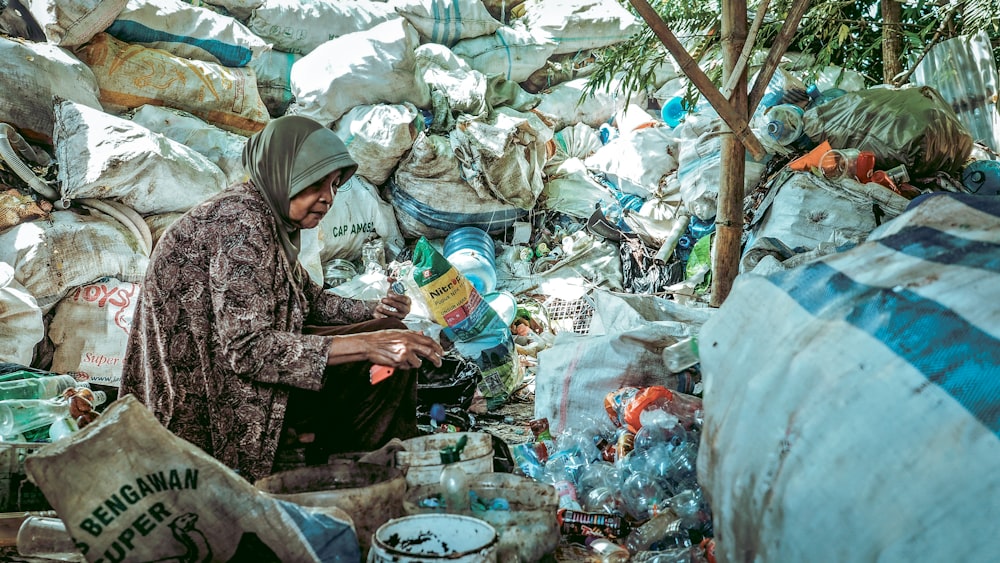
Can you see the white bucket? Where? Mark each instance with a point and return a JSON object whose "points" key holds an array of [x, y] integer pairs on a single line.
{"points": [[434, 538], [421, 460]]}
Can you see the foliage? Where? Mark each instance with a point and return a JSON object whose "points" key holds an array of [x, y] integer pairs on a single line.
{"points": [[845, 33]]}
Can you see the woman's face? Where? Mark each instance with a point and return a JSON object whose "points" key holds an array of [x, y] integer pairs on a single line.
{"points": [[308, 207]]}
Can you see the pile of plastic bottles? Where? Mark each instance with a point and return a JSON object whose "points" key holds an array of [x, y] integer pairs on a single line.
{"points": [[639, 465]]}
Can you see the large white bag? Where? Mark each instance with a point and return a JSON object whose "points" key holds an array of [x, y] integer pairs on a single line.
{"points": [[636, 161], [432, 199], [566, 104], [103, 156], [132, 75], [624, 348], [70, 249], [367, 67], [579, 25], [73, 23], [187, 31], [854, 416], [299, 26], [21, 325], [513, 51], [274, 79], [377, 136], [37, 72], [447, 21], [129, 490], [222, 148], [90, 329], [357, 214]]}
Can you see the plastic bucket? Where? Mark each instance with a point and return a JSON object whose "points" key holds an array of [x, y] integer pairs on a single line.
{"points": [[371, 494], [434, 538], [527, 531], [421, 460]]}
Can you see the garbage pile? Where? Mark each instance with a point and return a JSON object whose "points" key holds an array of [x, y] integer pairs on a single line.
{"points": [[582, 221]]}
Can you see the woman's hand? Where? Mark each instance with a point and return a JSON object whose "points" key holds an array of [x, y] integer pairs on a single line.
{"points": [[392, 305], [396, 348]]}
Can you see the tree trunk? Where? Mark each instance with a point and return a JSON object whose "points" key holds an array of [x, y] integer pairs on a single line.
{"points": [[892, 41], [729, 217]]}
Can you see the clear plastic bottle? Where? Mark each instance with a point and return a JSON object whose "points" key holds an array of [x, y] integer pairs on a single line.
{"points": [[37, 388], [21, 415], [454, 481], [663, 531], [682, 354], [46, 538], [784, 124], [608, 551], [819, 97]]}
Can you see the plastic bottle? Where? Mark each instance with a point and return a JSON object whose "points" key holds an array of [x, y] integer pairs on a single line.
{"points": [[784, 123], [454, 481], [607, 550], [681, 355], [46, 538], [673, 111], [20, 415], [373, 255], [38, 388], [818, 97], [663, 531], [472, 252], [23, 374]]}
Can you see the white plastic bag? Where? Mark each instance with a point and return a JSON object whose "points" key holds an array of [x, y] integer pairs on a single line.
{"points": [[73, 23], [273, 70], [579, 25], [187, 31], [357, 214], [103, 156], [38, 72], [864, 425], [513, 51], [447, 21], [222, 148], [299, 26], [70, 249], [377, 136], [21, 325], [636, 161], [368, 67], [90, 330], [564, 107]]}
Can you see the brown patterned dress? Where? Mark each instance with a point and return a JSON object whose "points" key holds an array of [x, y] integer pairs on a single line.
{"points": [[217, 341]]}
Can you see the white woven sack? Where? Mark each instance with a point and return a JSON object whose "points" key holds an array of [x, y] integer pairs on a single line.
{"points": [[377, 136], [73, 23], [38, 72], [157, 224], [299, 26], [220, 147], [847, 217], [636, 161], [103, 156], [579, 25], [623, 348], [562, 104], [21, 324], [187, 31], [357, 214], [447, 21], [570, 189], [240, 9], [432, 199], [90, 329], [368, 67], [576, 141], [513, 51], [71, 249], [132, 75], [861, 423], [274, 79], [130, 490], [464, 88], [502, 157]]}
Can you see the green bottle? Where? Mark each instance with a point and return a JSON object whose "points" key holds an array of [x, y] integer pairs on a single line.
{"points": [[37, 388]]}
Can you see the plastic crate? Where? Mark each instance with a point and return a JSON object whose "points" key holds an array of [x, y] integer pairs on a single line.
{"points": [[17, 493]]}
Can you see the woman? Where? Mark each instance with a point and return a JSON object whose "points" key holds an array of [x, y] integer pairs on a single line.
{"points": [[221, 349]]}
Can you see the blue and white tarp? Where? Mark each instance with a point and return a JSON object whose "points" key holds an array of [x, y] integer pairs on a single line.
{"points": [[852, 405]]}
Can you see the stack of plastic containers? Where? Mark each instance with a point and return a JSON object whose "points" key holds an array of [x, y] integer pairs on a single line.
{"points": [[472, 252]]}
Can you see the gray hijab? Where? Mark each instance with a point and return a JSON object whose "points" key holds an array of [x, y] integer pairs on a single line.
{"points": [[287, 156]]}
